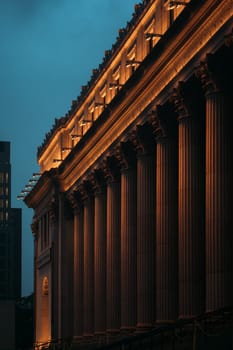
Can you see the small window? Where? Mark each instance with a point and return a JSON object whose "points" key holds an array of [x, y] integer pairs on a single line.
{"points": [[45, 286]]}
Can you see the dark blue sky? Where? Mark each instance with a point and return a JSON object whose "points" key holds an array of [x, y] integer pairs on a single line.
{"points": [[48, 49]]}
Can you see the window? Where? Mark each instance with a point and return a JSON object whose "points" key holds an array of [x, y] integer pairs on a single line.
{"points": [[45, 286]]}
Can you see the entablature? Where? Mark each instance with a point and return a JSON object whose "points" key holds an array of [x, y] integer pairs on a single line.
{"points": [[136, 44], [147, 87]]}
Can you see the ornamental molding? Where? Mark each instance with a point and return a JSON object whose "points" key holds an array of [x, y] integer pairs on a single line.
{"points": [[200, 28]]}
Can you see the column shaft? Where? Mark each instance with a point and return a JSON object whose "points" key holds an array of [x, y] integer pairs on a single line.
{"points": [[218, 202], [113, 256], [191, 217], [66, 254], [145, 241], [166, 230], [100, 261], [88, 293], [128, 248], [78, 272]]}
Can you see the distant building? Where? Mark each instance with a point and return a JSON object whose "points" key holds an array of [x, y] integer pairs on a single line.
{"points": [[10, 252], [133, 219]]}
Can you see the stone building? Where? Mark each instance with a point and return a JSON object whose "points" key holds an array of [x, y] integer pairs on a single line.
{"points": [[133, 208]]}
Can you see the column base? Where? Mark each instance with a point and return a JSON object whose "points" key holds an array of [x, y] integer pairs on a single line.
{"points": [[144, 327], [166, 322], [128, 330]]}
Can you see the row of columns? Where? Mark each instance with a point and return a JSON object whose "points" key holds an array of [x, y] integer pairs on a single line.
{"points": [[153, 225]]}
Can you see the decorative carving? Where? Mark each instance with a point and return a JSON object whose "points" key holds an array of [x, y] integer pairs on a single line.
{"points": [[97, 180], [75, 200], [158, 124], [111, 168], [207, 78], [142, 138], [179, 100], [86, 189], [215, 77], [182, 99], [125, 154]]}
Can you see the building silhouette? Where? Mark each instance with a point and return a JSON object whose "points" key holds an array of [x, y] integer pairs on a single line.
{"points": [[10, 252], [133, 208], [10, 232]]}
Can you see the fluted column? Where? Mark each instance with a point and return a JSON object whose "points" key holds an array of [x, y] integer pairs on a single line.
{"points": [[66, 254], [113, 246], [78, 265], [218, 188], [88, 267], [53, 219], [128, 236], [145, 229], [166, 216], [100, 253], [191, 205]]}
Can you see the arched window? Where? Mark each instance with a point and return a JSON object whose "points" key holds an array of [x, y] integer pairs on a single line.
{"points": [[45, 286]]}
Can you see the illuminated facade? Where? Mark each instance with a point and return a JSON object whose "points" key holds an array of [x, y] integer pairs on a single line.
{"points": [[133, 222]]}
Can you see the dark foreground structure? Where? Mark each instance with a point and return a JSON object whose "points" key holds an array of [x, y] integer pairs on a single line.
{"points": [[10, 253], [133, 209]]}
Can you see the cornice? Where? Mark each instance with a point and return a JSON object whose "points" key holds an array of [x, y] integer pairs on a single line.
{"points": [[43, 190], [123, 34], [197, 29]]}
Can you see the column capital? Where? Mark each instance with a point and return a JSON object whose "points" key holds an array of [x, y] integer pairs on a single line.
{"points": [[142, 139], [215, 71], [207, 78], [111, 168], [180, 101], [75, 200], [126, 155], [163, 122], [158, 126], [183, 102], [86, 189], [97, 180]]}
